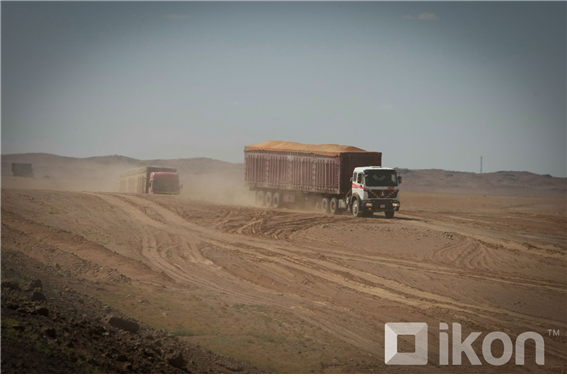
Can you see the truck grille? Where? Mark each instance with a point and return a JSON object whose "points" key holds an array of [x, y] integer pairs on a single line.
{"points": [[382, 193]]}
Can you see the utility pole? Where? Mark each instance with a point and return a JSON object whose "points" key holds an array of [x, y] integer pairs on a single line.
{"points": [[481, 165]]}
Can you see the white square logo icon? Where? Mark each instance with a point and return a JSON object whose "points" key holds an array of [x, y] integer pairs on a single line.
{"points": [[391, 354]]}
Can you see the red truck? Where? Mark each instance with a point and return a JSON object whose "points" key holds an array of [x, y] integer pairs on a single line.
{"points": [[150, 180], [334, 178]]}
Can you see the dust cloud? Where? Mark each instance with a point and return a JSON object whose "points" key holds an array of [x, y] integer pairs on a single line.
{"points": [[217, 181], [203, 179], [95, 179], [228, 189]]}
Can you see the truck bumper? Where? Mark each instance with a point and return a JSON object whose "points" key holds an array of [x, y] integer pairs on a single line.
{"points": [[376, 205]]}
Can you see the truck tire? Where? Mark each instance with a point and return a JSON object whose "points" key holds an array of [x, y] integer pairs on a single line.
{"points": [[334, 206], [356, 210], [268, 199], [277, 200], [325, 205], [260, 198], [389, 214]]}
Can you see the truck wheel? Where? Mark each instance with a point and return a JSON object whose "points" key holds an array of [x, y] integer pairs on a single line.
{"points": [[277, 200], [334, 206], [390, 214], [356, 211], [325, 205], [259, 198], [268, 199]]}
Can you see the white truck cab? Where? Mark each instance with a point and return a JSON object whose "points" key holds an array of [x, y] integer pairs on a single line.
{"points": [[374, 189]]}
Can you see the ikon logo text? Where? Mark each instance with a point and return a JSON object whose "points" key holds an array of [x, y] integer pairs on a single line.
{"points": [[459, 346]]}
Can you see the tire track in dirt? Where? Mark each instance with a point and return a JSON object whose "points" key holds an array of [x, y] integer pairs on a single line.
{"points": [[256, 253], [183, 272], [340, 279], [79, 246], [391, 290], [470, 253], [336, 257], [380, 287], [152, 225]]}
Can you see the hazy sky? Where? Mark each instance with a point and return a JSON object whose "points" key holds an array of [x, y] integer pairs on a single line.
{"points": [[429, 84]]}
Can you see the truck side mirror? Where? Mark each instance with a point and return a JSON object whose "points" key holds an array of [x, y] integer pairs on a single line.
{"points": [[400, 179]]}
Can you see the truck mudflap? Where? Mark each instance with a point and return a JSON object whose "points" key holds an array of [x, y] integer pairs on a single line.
{"points": [[380, 205]]}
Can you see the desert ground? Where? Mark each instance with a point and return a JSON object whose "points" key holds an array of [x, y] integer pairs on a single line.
{"points": [[297, 291]]}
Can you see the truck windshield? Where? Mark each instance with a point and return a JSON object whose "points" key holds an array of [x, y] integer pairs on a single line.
{"points": [[165, 185], [381, 178]]}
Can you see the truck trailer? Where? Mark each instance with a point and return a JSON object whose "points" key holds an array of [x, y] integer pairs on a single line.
{"points": [[334, 178], [150, 180], [22, 170]]}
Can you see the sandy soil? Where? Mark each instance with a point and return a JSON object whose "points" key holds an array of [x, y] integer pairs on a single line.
{"points": [[297, 291], [50, 328]]}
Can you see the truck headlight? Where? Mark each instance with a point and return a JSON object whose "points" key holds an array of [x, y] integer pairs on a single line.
{"points": [[396, 204]]}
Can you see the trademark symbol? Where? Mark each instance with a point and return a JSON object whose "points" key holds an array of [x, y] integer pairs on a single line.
{"points": [[553, 332]]}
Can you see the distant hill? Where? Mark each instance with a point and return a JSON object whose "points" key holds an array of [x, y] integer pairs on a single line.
{"points": [[110, 167], [102, 173], [506, 183], [203, 175]]}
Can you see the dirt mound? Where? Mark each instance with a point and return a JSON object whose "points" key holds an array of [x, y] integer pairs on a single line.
{"points": [[318, 149], [50, 327]]}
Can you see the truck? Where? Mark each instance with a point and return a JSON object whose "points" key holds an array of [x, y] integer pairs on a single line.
{"points": [[334, 178], [150, 180], [22, 170]]}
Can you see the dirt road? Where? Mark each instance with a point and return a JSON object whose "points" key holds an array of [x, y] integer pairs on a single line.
{"points": [[292, 291]]}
